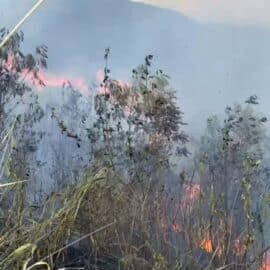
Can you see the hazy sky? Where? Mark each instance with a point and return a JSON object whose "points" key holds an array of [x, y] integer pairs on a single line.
{"points": [[245, 12], [212, 64], [256, 12]]}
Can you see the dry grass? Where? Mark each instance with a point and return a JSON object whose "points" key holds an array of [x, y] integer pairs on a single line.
{"points": [[139, 227]]}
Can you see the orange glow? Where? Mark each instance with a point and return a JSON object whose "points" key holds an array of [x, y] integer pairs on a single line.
{"points": [[49, 80], [266, 261], [207, 245], [58, 81]]}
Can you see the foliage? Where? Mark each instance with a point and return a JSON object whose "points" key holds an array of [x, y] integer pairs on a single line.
{"points": [[232, 173], [122, 215], [19, 106]]}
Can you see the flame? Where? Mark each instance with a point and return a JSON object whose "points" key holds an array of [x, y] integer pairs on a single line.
{"points": [[207, 245], [266, 261], [48, 79], [58, 81]]}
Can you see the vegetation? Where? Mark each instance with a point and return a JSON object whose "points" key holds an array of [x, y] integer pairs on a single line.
{"points": [[122, 212]]}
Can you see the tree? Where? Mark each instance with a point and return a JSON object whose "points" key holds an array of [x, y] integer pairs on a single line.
{"points": [[19, 107], [136, 133], [139, 123], [232, 173]]}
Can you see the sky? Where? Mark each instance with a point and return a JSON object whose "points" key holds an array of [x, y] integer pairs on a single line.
{"points": [[243, 12], [216, 51], [251, 12]]}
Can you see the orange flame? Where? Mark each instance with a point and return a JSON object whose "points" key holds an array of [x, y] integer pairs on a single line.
{"points": [[48, 79], [58, 81], [266, 261], [207, 245]]}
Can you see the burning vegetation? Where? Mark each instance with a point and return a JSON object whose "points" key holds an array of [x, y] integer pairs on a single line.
{"points": [[124, 212]]}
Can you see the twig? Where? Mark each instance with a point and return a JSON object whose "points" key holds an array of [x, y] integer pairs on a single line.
{"points": [[12, 183], [20, 23]]}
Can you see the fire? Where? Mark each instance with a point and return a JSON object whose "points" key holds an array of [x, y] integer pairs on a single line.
{"points": [[207, 245], [266, 261], [48, 79], [58, 81]]}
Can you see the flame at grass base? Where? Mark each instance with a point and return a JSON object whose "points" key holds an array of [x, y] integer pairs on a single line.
{"points": [[207, 245]]}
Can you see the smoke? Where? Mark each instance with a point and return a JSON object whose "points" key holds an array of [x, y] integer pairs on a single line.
{"points": [[243, 12], [43, 79]]}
